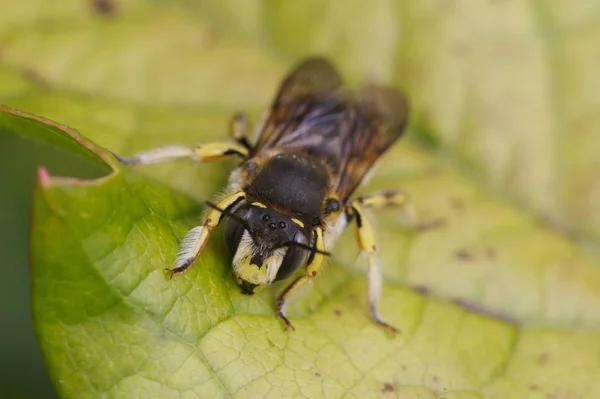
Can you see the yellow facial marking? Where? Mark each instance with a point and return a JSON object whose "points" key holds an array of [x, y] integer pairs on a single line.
{"points": [[259, 204], [298, 222], [251, 272]]}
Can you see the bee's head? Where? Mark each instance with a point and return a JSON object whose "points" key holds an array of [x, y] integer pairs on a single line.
{"points": [[266, 245]]}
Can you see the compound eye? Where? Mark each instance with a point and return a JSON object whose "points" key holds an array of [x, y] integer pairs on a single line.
{"points": [[266, 218], [292, 261], [332, 205], [282, 225]]}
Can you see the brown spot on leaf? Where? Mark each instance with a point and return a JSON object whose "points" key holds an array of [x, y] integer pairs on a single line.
{"points": [[337, 312], [432, 224], [552, 224], [435, 378], [35, 77], [533, 387], [543, 359], [317, 374], [457, 204], [387, 387], [104, 7], [490, 253], [421, 289], [463, 255]]}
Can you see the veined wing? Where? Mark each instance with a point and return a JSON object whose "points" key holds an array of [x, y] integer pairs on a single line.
{"points": [[347, 132], [307, 97], [380, 115]]}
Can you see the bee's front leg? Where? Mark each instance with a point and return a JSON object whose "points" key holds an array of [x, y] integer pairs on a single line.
{"points": [[200, 153], [366, 241], [314, 266], [194, 241]]}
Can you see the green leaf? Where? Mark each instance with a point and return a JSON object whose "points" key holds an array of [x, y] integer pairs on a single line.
{"points": [[496, 303]]}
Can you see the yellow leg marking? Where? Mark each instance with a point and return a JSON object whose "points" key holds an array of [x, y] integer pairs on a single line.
{"points": [[395, 198], [399, 199], [364, 232], [212, 151], [385, 198], [194, 241], [366, 241], [214, 216], [202, 152], [312, 269]]}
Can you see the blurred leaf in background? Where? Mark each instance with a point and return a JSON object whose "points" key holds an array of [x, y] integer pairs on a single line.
{"points": [[504, 93]]}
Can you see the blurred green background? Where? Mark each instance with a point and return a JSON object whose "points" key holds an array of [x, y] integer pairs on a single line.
{"points": [[508, 89], [22, 373]]}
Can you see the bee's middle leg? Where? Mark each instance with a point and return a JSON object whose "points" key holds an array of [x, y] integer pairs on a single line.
{"points": [[195, 240], [314, 266]]}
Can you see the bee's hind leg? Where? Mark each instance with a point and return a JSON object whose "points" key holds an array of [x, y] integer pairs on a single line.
{"points": [[195, 240], [366, 241], [398, 199]]}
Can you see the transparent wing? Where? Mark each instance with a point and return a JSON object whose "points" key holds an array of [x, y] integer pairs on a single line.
{"points": [[306, 95], [345, 132], [380, 117]]}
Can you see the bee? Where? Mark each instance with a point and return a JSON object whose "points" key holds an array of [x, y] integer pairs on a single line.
{"points": [[290, 197]]}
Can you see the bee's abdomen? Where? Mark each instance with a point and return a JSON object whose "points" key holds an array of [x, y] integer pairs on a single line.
{"points": [[292, 183]]}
